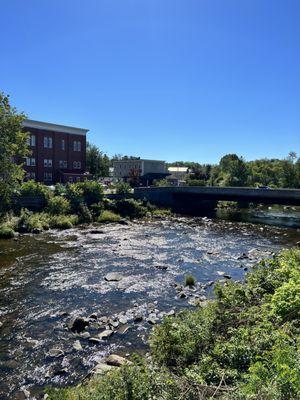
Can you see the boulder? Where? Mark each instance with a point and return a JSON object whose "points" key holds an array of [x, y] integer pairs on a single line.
{"points": [[116, 361], [78, 324], [85, 335], [55, 353], [101, 368], [113, 277], [94, 340], [105, 334], [77, 346]]}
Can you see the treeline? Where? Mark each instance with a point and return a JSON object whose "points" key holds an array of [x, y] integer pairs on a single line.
{"points": [[233, 170]]}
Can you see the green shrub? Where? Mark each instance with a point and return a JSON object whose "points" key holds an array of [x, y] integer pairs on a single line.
{"points": [[130, 208], [63, 221], [189, 280], [123, 188], [60, 190], [286, 300], [96, 210], [6, 232], [163, 212], [30, 222], [59, 205], [92, 192], [84, 214], [74, 193], [108, 216], [36, 189]]}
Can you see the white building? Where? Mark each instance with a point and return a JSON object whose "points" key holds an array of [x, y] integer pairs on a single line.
{"points": [[146, 170]]}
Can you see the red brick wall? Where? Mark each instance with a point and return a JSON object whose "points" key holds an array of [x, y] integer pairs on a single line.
{"points": [[56, 153]]}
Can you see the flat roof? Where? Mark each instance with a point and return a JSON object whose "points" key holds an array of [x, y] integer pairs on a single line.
{"points": [[30, 123], [138, 159]]}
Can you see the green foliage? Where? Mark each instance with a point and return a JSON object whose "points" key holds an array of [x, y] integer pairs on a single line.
{"points": [[63, 221], [13, 149], [58, 205], [196, 182], [239, 346], [6, 231], [97, 162], [189, 280], [88, 192], [60, 190], [108, 216], [36, 189], [123, 188], [84, 213], [32, 222], [161, 182], [130, 208], [163, 212]]}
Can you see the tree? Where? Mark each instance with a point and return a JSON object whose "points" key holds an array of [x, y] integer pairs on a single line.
{"points": [[97, 162], [13, 149], [234, 170]]}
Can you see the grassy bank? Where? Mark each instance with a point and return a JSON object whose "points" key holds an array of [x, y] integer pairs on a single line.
{"points": [[67, 206], [244, 345]]}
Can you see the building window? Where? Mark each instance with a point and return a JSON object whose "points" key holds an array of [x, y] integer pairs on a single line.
{"points": [[76, 164], [31, 140], [63, 144], [47, 176], [47, 163], [30, 162], [76, 145], [30, 175], [48, 142], [63, 164]]}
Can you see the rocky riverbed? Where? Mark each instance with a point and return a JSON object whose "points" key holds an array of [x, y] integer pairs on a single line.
{"points": [[70, 299]]}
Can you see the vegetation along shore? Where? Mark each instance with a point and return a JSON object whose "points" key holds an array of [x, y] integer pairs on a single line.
{"points": [[244, 344]]}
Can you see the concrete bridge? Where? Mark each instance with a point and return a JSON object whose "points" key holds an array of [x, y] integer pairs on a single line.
{"points": [[194, 199]]}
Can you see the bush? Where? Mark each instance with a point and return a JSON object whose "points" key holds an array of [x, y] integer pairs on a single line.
{"points": [[84, 214], [123, 188], [63, 221], [31, 222], [60, 190], [74, 193], [130, 208], [189, 280], [6, 231], [163, 212], [92, 191], [36, 189], [109, 216], [59, 205]]}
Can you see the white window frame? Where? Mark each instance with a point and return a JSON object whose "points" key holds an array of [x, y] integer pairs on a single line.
{"points": [[76, 145], [63, 164], [48, 176], [47, 162], [30, 162], [48, 142]]}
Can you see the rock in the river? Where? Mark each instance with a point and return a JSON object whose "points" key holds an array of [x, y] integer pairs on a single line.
{"points": [[123, 329], [182, 295], [227, 276], [243, 256], [152, 321], [116, 361], [55, 352], [105, 334], [77, 346], [138, 318], [162, 267], [85, 335], [93, 316], [123, 320], [78, 324], [94, 340], [221, 273], [114, 323], [101, 368], [96, 231], [113, 277]]}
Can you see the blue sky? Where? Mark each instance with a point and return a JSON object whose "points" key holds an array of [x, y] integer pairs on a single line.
{"points": [[165, 79]]}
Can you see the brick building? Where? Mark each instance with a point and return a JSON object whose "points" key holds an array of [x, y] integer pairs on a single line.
{"points": [[58, 152]]}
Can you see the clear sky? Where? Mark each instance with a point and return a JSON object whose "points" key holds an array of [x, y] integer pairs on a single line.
{"points": [[165, 79]]}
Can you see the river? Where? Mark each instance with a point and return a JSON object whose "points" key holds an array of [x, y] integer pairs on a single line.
{"points": [[47, 279]]}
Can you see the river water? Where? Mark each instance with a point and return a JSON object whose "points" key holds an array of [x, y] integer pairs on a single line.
{"points": [[47, 279]]}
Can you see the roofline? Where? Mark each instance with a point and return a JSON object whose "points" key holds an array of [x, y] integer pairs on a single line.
{"points": [[138, 159], [30, 123]]}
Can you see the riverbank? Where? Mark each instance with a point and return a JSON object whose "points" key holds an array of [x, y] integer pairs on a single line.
{"points": [[48, 279], [244, 344]]}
